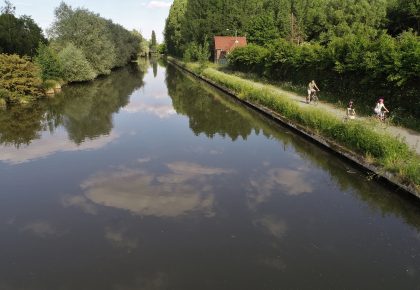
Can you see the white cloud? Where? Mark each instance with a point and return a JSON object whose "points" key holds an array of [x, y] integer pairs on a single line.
{"points": [[159, 4]]}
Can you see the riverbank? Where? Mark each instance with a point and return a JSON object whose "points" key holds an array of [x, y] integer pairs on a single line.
{"points": [[387, 156]]}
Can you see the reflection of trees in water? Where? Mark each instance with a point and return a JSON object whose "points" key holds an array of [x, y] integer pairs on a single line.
{"points": [[85, 109], [154, 63], [21, 125], [206, 114], [143, 64], [187, 97], [88, 108]]}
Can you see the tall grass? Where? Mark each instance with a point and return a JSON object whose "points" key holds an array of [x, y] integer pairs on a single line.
{"points": [[378, 148]]}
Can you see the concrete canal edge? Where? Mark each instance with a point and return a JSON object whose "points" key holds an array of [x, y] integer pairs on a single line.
{"points": [[326, 143]]}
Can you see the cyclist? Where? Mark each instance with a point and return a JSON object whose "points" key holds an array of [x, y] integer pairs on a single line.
{"points": [[378, 109], [351, 112], [312, 88]]}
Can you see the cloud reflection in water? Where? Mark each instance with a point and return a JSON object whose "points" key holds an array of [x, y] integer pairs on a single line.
{"points": [[48, 145], [286, 181], [186, 187]]}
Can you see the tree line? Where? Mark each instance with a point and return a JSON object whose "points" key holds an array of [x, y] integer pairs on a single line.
{"points": [[355, 48], [81, 46]]}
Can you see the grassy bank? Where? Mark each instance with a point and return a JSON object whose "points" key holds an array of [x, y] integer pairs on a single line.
{"points": [[380, 149]]}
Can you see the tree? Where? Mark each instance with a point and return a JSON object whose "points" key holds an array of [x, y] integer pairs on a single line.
{"points": [[48, 61], [8, 8], [172, 31], [153, 43], [76, 68], [87, 32], [261, 29], [403, 15], [18, 35]]}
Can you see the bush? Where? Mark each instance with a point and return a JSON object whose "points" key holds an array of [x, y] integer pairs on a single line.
{"points": [[197, 52], [251, 58], [47, 59], [75, 66], [19, 78]]}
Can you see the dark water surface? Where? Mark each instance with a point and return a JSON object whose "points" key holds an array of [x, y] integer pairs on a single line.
{"points": [[149, 179]]}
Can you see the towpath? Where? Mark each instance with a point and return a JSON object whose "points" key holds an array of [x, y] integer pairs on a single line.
{"points": [[411, 137]]}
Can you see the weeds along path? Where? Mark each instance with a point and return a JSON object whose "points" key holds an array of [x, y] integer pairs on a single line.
{"points": [[411, 137]]}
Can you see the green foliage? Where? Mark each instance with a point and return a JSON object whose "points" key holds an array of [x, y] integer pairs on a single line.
{"points": [[153, 43], [197, 52], [172, 32], [403, 15], [104, 44], [48, 61], [50, 84], [18, 35], [161, 48], [126, 44], [76, 67], [19, 79], [354, 66], [87, 31], [251, 58], [261, 29]]}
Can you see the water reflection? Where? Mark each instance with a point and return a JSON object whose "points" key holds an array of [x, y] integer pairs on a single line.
{"points": [[144, 212], [49, 144], [42, 229], [211, 113], [205, 112], [84, 110], [182, 188]]}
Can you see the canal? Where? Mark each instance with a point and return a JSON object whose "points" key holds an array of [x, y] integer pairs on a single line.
{"points": [[150, 179]]}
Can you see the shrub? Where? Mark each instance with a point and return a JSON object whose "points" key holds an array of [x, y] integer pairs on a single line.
{"points": [[19, 78], [251, 58], [75, 66], [197, 52], [47, 59]]}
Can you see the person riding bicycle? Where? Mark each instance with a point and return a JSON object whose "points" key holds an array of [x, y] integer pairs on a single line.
{"points": [[378, 109], [312, 88], [351, 112]]}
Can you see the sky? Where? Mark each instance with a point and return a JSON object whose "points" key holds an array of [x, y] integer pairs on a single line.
{"points": [[142, 15]]}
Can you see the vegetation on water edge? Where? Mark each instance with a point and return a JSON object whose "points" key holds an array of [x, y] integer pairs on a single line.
{"points": [[380, 149], [19, 79], [81, 46]]}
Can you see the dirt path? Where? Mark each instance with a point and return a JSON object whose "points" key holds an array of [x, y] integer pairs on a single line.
{"points": [[411, 137]]}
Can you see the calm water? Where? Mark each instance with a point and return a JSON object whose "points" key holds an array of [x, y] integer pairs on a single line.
{"points": [[149, 179]]}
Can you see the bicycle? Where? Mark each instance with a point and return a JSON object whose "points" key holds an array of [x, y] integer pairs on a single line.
{"points": [[350, 115], [314, 98], [384, 118]]}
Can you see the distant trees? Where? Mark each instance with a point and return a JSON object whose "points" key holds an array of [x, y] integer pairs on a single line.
{"points": [[18, 35], [153, 43], [98, 44]]}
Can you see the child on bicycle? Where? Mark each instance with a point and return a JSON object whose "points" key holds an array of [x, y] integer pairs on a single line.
{"points": [[351, 112], [378, 109]]}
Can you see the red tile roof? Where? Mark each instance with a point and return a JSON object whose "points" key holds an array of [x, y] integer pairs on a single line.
{"points": [[227, 43]]}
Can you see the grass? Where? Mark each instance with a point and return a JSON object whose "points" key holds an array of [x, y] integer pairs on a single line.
{"points": [[363, 107], [381, 149]]}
